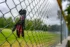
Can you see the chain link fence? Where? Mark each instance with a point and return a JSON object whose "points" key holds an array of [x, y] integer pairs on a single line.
{"points": [[42, 23]]}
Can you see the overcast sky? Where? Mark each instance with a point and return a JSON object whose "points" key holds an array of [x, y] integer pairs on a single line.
{"points": [[51, 9], [64, 4]]}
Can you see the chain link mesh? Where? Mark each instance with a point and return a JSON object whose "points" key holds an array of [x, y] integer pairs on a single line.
{"points": [[37, 31]]}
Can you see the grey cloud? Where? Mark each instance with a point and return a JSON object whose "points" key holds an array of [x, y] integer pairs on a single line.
{"points": [[3, 8], [52, 8], [2, 0], [64, 4]]}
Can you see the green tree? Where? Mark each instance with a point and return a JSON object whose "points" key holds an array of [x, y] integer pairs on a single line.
{"points": [[68, 9], [10, 22], [68, 16], [54, 28], [44, 27], [33, 24], [3, 22], [28, 24], [37, 24]]}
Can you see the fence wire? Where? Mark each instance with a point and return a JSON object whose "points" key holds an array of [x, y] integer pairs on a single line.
{"points": [[42, 23]]}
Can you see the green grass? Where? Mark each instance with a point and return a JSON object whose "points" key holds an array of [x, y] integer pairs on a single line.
{"points": [[30, 36]]}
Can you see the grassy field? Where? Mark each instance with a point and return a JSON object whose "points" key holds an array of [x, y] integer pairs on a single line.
{"points": [[32, 38]]}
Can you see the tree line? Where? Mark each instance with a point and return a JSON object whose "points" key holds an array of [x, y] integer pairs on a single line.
{"points": [[35, 24], [68, 17]]}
